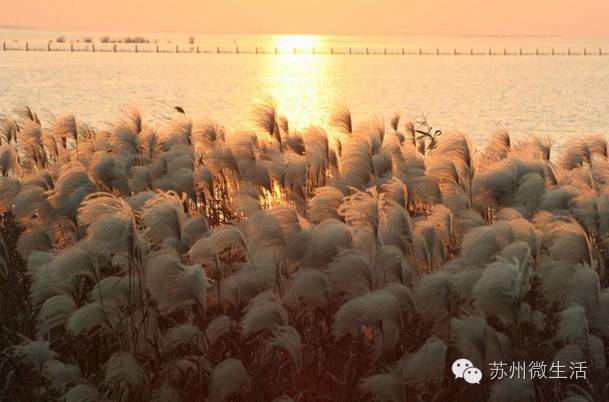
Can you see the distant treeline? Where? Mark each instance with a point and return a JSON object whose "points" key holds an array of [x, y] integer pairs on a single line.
{"points": [[108, 39]]}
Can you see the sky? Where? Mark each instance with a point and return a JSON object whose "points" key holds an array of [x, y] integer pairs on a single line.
{"points": [[359, 17]]}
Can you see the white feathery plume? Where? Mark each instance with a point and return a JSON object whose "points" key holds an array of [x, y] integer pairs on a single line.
{"points": [[71, 188], [288, 338], [83, 393], [122, 367], [425, 366], [217, 328], [583, 288], [61, 375], [256, 276], [309, 287], [9, 188], [324, 205], [383, 387], [564, 238], [93, 318], [36, 353], [430, 249], [227, 379], [263, 313], [114, 291], [573, 325], [9, 161], [203, 252], [54, 313], [482, 243], [569, 353], [596, 353], [499, 290], [599, 319], [193, 229], [497, 148], [379, 309], [403, 295], [395, 229], [164, 216], [356, 165], [350, 273], [182, 335], [553, 274], [470, 337], [174, 285], [30, 202], [434, 294], [392, 267], [326, 241]]}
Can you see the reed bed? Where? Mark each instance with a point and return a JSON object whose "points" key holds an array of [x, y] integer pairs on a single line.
{"points": [[176, 262]]}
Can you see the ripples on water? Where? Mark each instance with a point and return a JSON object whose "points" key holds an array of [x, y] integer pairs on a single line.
{"points": [[555, 96]]}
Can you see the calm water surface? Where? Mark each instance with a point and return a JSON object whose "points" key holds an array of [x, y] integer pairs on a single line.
{"points": [[555, 96]]}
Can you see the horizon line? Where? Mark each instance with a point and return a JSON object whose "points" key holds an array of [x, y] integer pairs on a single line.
{"points": [[270, 33]]}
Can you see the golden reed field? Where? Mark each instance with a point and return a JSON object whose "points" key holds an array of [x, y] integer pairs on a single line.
{"points": [[174, 261]]}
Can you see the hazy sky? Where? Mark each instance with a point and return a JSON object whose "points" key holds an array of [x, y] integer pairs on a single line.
{"points": [[406, 17]]}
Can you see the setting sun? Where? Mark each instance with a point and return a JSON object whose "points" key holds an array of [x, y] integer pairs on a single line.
{"points": [[303, 43]]}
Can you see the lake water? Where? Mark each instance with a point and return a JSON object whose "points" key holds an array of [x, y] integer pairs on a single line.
{"points": [[556, 96]]}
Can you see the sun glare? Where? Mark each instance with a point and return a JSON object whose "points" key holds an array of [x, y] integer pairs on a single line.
{"points": [[300, 82], [301, 43]]}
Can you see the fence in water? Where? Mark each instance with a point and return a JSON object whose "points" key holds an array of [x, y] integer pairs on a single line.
{"points": [[206, 49]]}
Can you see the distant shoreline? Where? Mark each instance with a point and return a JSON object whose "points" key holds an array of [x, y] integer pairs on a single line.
{"points": [[18, 27]]}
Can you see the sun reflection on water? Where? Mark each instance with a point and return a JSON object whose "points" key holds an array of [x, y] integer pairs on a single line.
{"points": [[300, 82]]}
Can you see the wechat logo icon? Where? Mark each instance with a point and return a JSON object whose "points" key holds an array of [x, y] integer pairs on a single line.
{"points": [[463, 368]]}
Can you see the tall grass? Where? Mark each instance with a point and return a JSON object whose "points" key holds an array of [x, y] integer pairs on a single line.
{"points": [[182, 263]]}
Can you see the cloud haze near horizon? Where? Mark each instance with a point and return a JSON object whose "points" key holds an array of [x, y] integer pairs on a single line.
{"points": [[360, 17]]}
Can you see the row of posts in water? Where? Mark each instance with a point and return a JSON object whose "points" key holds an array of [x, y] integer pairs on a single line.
{"points": [[144, 48]]}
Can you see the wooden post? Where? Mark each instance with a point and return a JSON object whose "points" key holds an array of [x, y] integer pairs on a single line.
{"points": [[49, 47], [420, 51], [237, 49], [536, 52], [313, 50], [454, 51], [71, 47], [177, 48], [520, 51], [569, 52], [490, 52], [350, 52], [504, 51], [553, 52], [197, 49], [93, 47], [136, 49], [4, 46], [585, 52], [437, 51], [157, 48], [256, 49], [218, 49], [385, 51], [27, 46], [367, 51], [471, 51]]}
